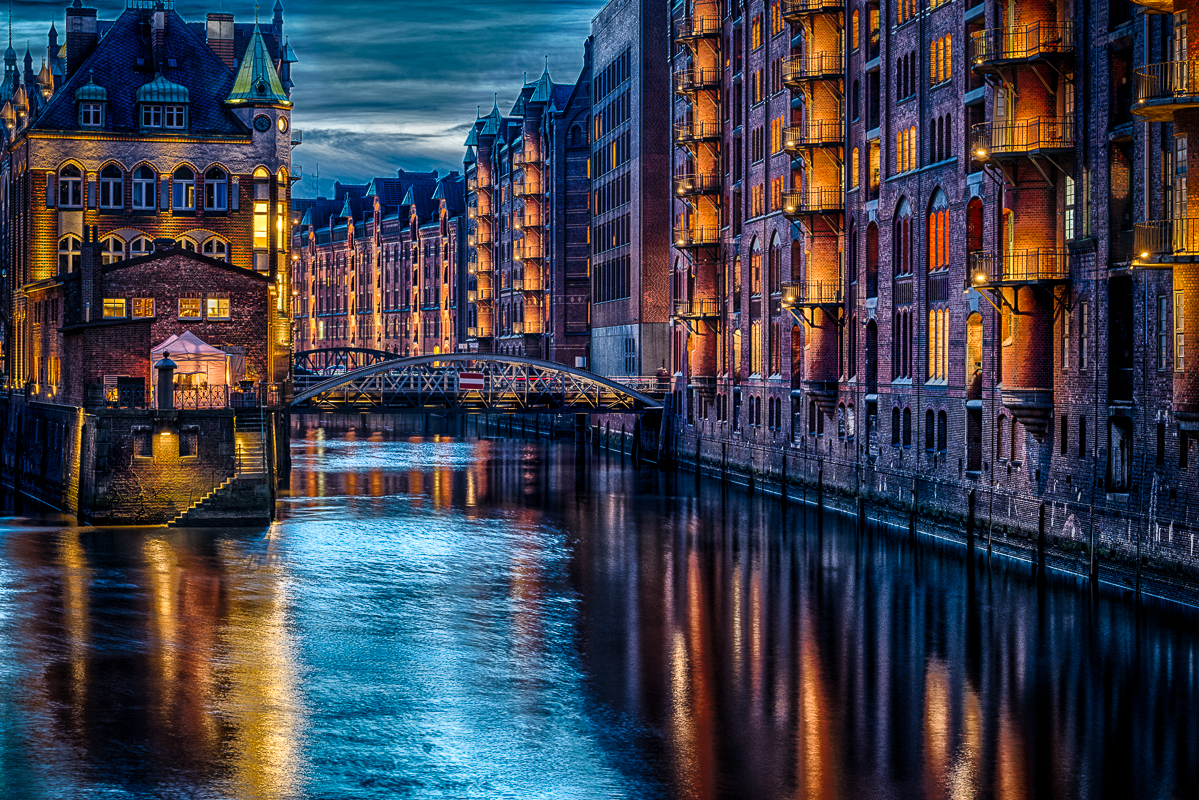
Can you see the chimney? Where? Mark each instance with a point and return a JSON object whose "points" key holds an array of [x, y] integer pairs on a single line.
{"points": [[220, 38], [158, 37], [81, 35], [91, 281]]}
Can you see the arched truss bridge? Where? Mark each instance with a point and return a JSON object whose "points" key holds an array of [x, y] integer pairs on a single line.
{"points": [[461, 382]]}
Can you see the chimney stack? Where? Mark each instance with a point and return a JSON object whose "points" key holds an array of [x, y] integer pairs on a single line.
{"points": [[91, 281], [158, 37], [81, 35], [220, 38]]}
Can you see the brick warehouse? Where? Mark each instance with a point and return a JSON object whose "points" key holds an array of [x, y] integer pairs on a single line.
{"points": [[380, 266], [141, 134], [928, 250], [528, 185]]}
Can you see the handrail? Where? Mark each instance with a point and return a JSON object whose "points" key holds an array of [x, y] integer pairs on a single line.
{"points": [[815, 132], [698, 27], [689, 80], [685, 131], [1023, 136], [697, 183], [1167, 80], [1019, 43], [812, 293], [697, 309], [812, 201], [696, 237], [825, 64], [1169, 237], [1019, 266]]}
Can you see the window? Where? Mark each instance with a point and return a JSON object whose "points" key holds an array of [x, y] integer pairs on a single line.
{"points": [[144, 181], [1067, 321], [174, 117], [191, 308], [184, 194], [112, 250], [1163, 330], [1179, 332], [151, 116], [187, 244], [112, 187], [1082, 437], [905, 11], [930, 432], [940, 60], [942, 431], [216, 248], [91, 115], [905, 150], [143, 307], [756, 31], [855, 39], [216, 190], [218, 308], [907, 427], [1083, 353], [68, 254], [141, 246], [894, 426], [70, 187], [114, 308]]}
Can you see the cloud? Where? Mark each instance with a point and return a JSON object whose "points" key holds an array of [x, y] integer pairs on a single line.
{"points": [[385, 85]]}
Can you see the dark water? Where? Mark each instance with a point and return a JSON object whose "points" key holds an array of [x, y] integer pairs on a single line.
{"points": [[450, 619]]}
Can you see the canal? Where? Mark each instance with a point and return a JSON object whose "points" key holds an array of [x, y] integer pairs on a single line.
{"points": [[462, 618]]}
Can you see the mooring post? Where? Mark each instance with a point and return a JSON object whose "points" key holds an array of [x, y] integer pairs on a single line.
{"points": [[1041, 542]]}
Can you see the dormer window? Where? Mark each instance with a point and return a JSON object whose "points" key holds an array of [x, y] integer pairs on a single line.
{"points": [[91, 115], [172, 118], [163, 105]]}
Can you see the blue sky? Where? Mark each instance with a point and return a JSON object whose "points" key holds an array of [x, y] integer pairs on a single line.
{"points": [[385, 85]]}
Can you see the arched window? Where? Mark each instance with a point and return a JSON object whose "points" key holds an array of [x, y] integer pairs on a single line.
{"points": [[112, 187], [216, 190], [68, 254], [974, 225], [1001, 440], [856, 31], [942, 431], [187, 244], [755, 268], [140, 246], [907, 427], [855, 169], [70, 187], [112, 250], [895, 426], [216, 248], [871, 260], [776, 266], [929, 430], [938, 232], [144, 181], [184, 196], [902, 239]]}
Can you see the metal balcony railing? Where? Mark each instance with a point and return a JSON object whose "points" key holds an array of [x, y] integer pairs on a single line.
{"points": [[1023, 43], [1042, 265], [814, 66], [793, 10], [689, 238], [526, 251], [812, 293], [1172, 239], [698, 28], [817, 133], [472, 331], [705, 183], [814, 201], [697, 309], [687, 131], [526, 327], [1024, 137], [297, 137], [695, 80], [527, 188], [1161, 87], [1160, 6]]}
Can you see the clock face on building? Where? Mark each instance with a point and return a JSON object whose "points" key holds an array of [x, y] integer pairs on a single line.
{"points": [[262, 123]]}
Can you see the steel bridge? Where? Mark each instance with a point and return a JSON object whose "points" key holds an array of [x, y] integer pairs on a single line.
{"points": [[472, 383]]}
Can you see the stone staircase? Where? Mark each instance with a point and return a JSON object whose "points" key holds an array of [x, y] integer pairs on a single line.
{"points": [[250, 465]]}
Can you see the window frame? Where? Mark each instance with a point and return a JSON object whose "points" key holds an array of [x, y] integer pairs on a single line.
{"points": [[218, 317], [115, 303], [199, 308], [142, 303]]}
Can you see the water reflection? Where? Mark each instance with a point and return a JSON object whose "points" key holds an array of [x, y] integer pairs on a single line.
{"points": [[439, 617]]}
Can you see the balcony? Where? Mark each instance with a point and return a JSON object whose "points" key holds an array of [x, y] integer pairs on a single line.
{"points": [[472, 331], [1043, 265], [813, 67], [818, 133], [1157, 6], [688, 81], [813, 294], [685, 131], [527, 188], [527, 284], [796, 10], [691, 28], [696, 238], [526, 327], [813, 201], [997, 47], [1162, 89], [1029, 137], [691, 185], [697, 309], [526, 251], [480, 295], [1167, 241]]}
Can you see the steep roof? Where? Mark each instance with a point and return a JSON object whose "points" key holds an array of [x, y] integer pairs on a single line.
{"points": [[122, 63], [257, 80]]}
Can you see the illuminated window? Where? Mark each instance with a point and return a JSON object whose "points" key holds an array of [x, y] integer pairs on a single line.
{"points": [[184, 195], [143, 307], [216, 190], [114, 308], [191, 308], [68, 254], [1179, 332], [218, 308], [112, 250]]}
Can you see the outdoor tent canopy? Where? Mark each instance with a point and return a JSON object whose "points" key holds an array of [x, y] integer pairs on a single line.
{"points": [[199, 365]]}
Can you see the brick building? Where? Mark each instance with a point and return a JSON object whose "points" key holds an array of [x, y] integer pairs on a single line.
{"points": [[382, 266], [527, 177], [145, 193], [929, 249], [631, 157]]}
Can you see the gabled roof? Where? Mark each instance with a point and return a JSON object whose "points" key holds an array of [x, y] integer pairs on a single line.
{"points": [[257, 80], [123, 63]]}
